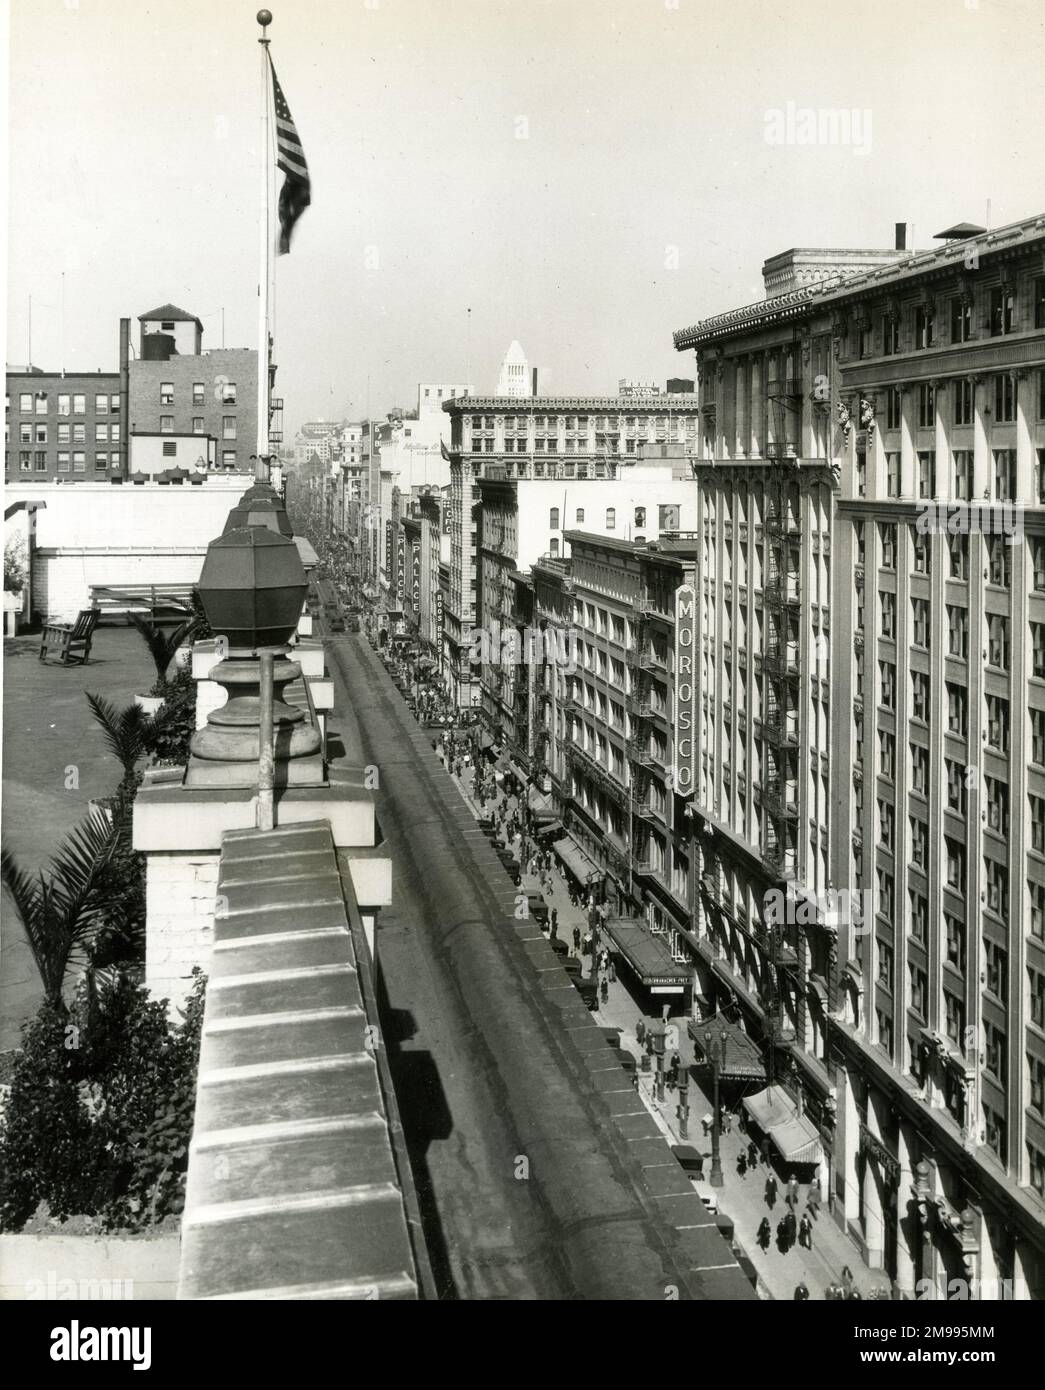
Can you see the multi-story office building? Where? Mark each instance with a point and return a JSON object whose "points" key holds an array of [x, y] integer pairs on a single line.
{"points": [[546, 463], [324, 438], [63, 426], [871, 782], [178, 389]]}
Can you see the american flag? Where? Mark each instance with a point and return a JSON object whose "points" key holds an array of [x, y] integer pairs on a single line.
{"points": [[296, 193]]}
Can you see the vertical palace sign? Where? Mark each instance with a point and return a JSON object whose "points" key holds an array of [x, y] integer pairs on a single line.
{"points": [[684, 766]]}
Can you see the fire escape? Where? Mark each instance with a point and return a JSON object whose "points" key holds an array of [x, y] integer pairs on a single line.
{"points": [[782, 685]]}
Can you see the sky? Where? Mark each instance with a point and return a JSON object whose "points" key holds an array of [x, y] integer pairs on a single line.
{"points": [[585, 176]]}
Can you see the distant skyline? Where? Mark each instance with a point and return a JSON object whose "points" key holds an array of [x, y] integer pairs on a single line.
{"points": [[586, 176]]}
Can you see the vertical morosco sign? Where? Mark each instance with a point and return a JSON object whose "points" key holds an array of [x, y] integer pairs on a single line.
{"points": [[685, 761]]}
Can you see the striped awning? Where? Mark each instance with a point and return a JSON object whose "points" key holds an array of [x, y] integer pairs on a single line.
{"points": [[743, 1060], [572, 857], [794, 1136]]}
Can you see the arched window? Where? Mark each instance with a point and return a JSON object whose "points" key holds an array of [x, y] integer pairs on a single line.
{"points": [[640, 516], [555, 546], [553, 518], [611, 518], [580, 515]]}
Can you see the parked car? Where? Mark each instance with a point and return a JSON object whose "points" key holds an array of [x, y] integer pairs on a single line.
{"points": [[706, 1193], [559, 947], [572, 966], [537, 907], [612, 1036], [626, 1060], [689, 1158], [588, 990], [337, 624]]}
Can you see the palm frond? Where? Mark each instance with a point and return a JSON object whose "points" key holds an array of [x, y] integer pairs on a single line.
{"points": [[126, 730], [161, 644]]}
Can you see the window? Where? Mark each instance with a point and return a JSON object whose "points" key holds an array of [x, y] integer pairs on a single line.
{"points": [[926, 405], [63, 434], [919, 768], [1037, 824], [101, 461], [40, 402], [63, 405], [611, 518], [1037, 731], [1005, 475], [920, 696], [114, 433], [998, 561], [892, 474], [955, 855], [114, 403], [962, 473], [580, 515], [919, 842], [25, 402], [958, 556], [957, 711], [79, 461], [1037, 553], [79, 434], [924, 326], [1003, 304], [554, 546], [166, 393], [920, 621], [101, 404], [886, 754], [166, 424], [25, 432], [997, 804], [961, 319], [919, 989], [228, 397], [228, 427], [957, 631], [954, 1018], [886, 821], [1037, 997], [63, 461], [888, 683], [197, 392], [920, 547], [994, 1052], [998, 723], [893, 408], [167, 326], [997, 888], [228, 458], [553, 519], [885, 964], [40, 461], [926, 473], [1039, 302], [170, 449], [669, 517], [963, 398], [25, 461], [890, 335], [955, 785], [954, 928], [919, 917], [197, 424], [887, 536], [101, 433], [1004, 399], [887, 608], [79, 405], [640, 516], [998, 641], [40, 434]]}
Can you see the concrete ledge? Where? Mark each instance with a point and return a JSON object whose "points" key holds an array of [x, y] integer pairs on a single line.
{"points": [[292, 1188]]}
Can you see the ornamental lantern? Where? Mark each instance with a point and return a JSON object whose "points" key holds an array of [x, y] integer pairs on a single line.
{"points": [[252, 587], [262, 511]]}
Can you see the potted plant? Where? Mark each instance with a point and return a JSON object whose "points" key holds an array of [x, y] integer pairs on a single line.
{"points": [[163, 644]]}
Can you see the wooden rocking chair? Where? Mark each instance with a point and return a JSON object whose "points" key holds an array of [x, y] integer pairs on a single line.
{"points": [[71, 641]]}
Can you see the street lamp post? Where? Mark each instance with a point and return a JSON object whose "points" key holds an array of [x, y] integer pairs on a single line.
{"points": [[683, 1110], [657, 1031], [716, 1121]]}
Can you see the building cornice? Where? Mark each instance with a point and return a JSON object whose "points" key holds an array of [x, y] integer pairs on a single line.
{"points": [[785, 307], [543, 405]]}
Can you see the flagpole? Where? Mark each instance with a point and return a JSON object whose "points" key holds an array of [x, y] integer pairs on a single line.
{"points": [[261, 467]]}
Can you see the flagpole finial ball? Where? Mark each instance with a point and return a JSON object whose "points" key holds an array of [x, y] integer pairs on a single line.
{"points": [[264, 18]]}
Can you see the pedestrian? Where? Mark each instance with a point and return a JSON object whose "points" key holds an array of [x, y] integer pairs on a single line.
{"points": [[576, 941], [801, 1293], [727, 1121], [555, 923], [763, 1149], [676, 1063], [792, 1228], [782, 1235], [847, 1278], [814, 1200], [604, 990], [752, 1153], [770, 1191], [741, 1164], [640, 1031], [613, 971], [765, 1233], [805, 1232], [792, 1192]]}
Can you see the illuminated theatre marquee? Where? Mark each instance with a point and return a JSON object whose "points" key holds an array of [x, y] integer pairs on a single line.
{"points": [[684, 765]]}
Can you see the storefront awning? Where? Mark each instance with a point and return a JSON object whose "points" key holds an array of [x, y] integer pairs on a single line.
{"points": [[743, 1060], [794, 1136], [574, 859], [485, 740], [648, 955], [554, 827]]}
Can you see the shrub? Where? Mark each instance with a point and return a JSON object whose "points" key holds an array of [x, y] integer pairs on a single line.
{"points": [[169, 739], [100, 1111]]}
